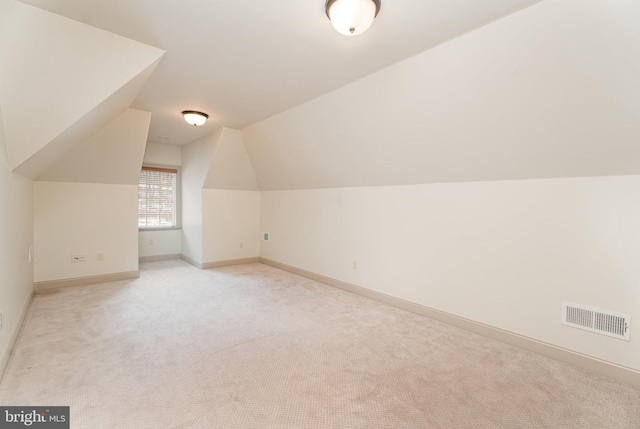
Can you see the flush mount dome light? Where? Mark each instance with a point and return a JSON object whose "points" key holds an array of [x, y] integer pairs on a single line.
{"points": [[352, 17], [195, 118]]}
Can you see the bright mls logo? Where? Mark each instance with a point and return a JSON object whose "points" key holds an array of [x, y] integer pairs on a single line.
{"points": [[34, 417]]}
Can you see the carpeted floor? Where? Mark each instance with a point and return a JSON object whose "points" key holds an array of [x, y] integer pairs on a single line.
{"points": [[251, 346]]}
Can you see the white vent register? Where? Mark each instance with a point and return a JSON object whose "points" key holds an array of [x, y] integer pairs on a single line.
{"points": [[600, 321]]}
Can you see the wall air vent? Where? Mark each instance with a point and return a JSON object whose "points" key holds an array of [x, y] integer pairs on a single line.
{"points": [[599, 321]]}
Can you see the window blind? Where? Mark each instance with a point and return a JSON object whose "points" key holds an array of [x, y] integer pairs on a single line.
{"points": [[157, 197]]}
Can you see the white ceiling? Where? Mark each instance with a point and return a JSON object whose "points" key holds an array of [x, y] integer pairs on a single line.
{"points": [[507, 101], [243, 61]]}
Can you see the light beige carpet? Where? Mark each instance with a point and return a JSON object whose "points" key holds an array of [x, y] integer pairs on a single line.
{"points": [[251, 346]]}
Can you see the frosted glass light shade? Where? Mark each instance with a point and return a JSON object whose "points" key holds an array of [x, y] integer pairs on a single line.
{"points": [[195, 118], [352, 17]]}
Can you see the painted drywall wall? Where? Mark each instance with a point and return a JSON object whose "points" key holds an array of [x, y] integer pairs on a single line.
{"points": [[504, 253], [230, 224], [220, 200], [163, 155], [196, 162], [231, 202], [550, 91], [159, 243], [112, 155], [162, 242], [88, 218], [16, 237], [97, 75]]}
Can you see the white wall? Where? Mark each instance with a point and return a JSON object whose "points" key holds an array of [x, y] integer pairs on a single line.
{"points": [[164, 242], [87, 203], [159, 243], [163, 154], [196, 161], [231, 224], [16, 236], [504, 253], [220, 200], [231, 202], [74, 218]]}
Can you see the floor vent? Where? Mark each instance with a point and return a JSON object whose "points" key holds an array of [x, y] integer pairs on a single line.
{"points": [[600, 321]]}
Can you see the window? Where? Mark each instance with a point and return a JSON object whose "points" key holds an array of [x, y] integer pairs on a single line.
{"points": [[157, 198]]}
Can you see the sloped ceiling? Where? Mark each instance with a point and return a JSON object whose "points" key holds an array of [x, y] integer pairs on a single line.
{"points": [[219, 161], [551, 91], [112, 155], [242, 61], [62, 81], [230, 166]]}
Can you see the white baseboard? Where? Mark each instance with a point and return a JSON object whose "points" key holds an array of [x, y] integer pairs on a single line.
{"points": [[6, 353], [155, 258], [80, 281], [219, 264], [598, 366], [228, 262]]}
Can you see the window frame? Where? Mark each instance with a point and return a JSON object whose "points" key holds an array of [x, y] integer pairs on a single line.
{"points": [[178, 200]]}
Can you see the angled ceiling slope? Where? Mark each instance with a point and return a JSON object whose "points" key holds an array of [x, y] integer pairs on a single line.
{"points": [[242, 61], [219, 161], [231, 167], [508, 101], [61, 81], [113, 155]]}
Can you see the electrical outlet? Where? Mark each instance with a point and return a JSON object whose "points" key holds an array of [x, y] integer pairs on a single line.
{"points": [[83, 257], [355, 265], [100, 256], [75, 259], [241, 244]]}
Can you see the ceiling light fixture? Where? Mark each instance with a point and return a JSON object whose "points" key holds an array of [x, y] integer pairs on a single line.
{"points": [[352, 17], [195, 118]]}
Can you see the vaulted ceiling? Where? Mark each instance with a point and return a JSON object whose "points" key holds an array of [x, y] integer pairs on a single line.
{"points": [[62, 81], [551, 91], [435, 91], [242, 61]]}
